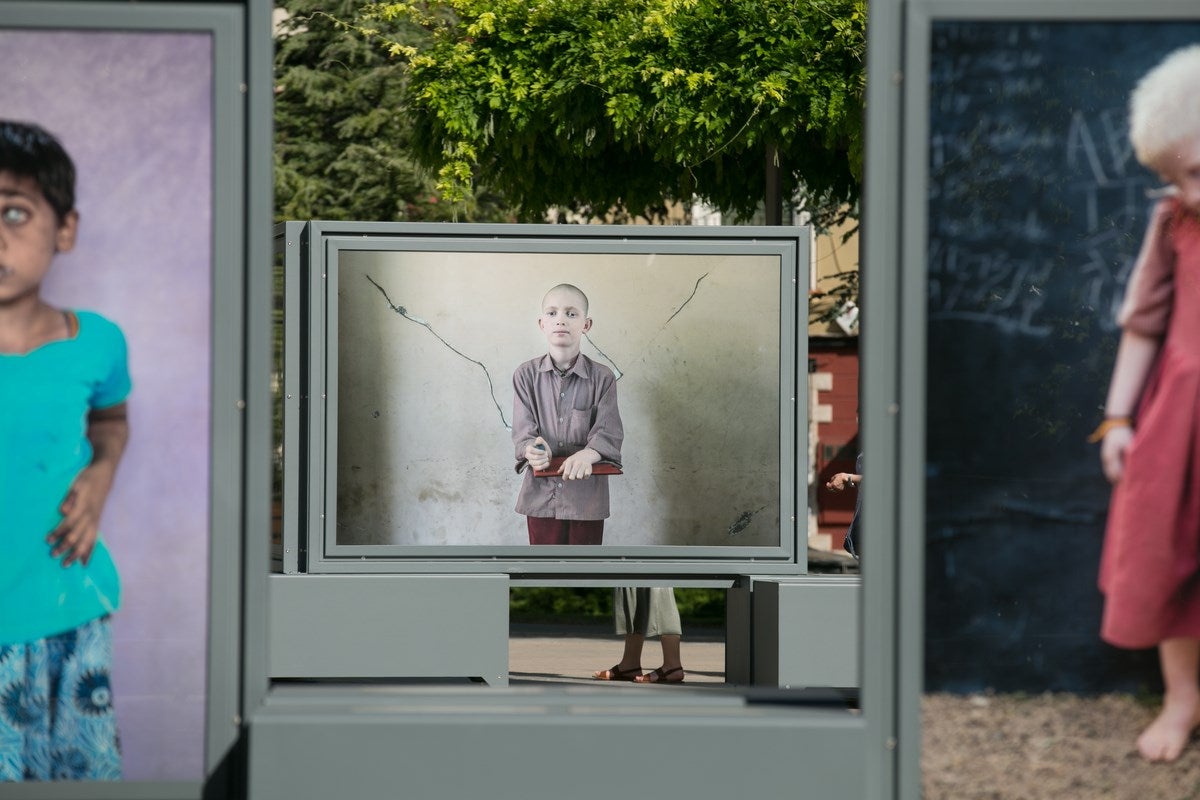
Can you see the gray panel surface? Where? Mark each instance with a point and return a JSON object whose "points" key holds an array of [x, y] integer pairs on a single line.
{"points": [[805, 632], [388, 626], [583, 745]]}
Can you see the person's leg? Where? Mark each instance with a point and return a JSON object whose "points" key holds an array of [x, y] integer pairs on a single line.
{"points": [[625, 613], [1167, 735], [25, 722], [546, 530], [630, 666], [585, 531], [663, 619]]}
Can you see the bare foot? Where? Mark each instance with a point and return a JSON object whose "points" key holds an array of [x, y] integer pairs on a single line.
{"points": [[1165, 738]]}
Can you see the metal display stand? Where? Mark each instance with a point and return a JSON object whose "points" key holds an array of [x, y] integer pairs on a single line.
{"points": [[794, 632], [300, 664], [462, 743], [389, 626]]}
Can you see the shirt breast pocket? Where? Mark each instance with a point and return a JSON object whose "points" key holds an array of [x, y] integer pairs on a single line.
{"points": [[578, 424]]}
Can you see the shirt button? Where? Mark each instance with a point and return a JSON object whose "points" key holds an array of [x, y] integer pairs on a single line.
{"points": [[562, 394], [560, 444], [560, 486]]}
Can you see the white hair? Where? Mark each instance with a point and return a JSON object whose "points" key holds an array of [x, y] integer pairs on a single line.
{"points": [[1164, 109]]}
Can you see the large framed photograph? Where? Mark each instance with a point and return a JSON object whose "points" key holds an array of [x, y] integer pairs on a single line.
{"points": [[145, 100], [413, 337], [1022, 212]]}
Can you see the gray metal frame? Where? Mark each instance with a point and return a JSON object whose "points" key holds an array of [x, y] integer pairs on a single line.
{"points": [[289, 239], [891, 597], [898, 104], [326, 240]]}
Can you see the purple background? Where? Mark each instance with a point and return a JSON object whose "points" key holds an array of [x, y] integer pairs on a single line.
{"points": [[134, 110]]}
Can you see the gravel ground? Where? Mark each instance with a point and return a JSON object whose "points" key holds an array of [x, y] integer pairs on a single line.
{"points": [[1060, 746]]}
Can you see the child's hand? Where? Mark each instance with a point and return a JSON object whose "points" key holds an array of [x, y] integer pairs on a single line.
{"points": [[75, 537], [1112, 452], [538, 457], [579, 465]]}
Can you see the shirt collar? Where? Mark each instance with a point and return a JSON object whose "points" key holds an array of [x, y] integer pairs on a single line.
{"points": [[580, 367]]}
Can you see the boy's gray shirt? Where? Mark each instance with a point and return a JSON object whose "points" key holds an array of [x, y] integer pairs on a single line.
{"points": [[571, 413]]}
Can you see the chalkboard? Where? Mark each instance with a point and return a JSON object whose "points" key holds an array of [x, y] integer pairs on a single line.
{"points": [[1036, 209]]}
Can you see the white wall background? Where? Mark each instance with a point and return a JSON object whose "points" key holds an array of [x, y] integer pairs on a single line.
{"points": [[425, 456]]}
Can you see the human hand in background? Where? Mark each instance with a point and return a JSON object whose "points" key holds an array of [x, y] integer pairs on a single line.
{"points": [[842, 481]]}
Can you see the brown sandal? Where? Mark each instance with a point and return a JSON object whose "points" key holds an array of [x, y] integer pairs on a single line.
{"points": [[661, 676], [615, 673]]}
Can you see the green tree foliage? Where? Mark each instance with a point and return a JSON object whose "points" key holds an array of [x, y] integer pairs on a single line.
{"points": [[599, 104], [572, 605], [342, 133]]}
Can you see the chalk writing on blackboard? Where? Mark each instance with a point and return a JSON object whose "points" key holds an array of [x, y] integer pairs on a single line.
{"points": [[1036, 204]]}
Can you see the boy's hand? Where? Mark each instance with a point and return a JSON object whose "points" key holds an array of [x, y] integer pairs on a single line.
{"points": [[579, 465], [538, 456], [75, 537], [1112, 452]]}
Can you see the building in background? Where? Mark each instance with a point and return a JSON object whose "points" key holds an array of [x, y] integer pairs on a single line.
{"points": [[832, 384]]}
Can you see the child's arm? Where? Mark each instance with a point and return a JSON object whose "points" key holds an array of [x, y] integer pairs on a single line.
{"points": [[604, 438], [75, 537], [1135, 356], [525, 434]]}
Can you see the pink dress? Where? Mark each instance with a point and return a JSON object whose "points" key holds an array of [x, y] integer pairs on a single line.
{"points": [[1150, 565]]}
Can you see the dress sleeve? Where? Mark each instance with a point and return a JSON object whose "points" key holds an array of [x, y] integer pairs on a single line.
{"points": [[115, 386], [1147, 305]]}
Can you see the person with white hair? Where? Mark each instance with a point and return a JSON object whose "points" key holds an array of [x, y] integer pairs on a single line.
{"points": [[1150, 435]]}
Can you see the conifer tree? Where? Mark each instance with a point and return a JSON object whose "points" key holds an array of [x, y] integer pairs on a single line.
{"points": [[343, 134]]}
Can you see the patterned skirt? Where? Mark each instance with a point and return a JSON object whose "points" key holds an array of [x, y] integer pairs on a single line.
{"points": [[56, 713]]}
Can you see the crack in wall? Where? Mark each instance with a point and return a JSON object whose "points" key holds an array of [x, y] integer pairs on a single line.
{"points": [[402, 311], [743, 521], [695, 289], [616, 370]]}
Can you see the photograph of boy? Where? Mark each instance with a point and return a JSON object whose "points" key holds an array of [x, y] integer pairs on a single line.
{"points": [[565, 404], [64, 379]]}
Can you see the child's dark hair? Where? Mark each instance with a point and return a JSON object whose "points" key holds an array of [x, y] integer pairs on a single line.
{"points": [[29, 151]]}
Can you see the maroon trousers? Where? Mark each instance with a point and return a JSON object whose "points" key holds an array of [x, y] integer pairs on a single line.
{"points": [[547, 530]]}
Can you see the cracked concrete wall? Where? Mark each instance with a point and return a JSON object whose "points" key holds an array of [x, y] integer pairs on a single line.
{"points": [[427, 344]]}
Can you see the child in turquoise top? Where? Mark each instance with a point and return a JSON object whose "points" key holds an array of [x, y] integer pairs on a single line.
{"points": [[63, 428]]}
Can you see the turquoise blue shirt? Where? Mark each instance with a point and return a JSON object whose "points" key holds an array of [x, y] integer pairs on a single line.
{"points": [[45, 397]]}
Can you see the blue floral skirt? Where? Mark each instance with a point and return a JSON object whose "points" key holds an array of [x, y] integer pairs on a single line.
{"points": [[56, 713]]}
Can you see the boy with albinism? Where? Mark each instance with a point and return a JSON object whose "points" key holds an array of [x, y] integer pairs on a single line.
{"points": [[565, 404]]}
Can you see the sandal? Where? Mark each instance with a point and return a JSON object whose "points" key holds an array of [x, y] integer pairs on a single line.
{"points": [[661, 676], [615, 673]]}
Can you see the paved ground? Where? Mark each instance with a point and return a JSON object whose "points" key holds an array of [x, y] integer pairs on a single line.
{"points": [[558, 654]]}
